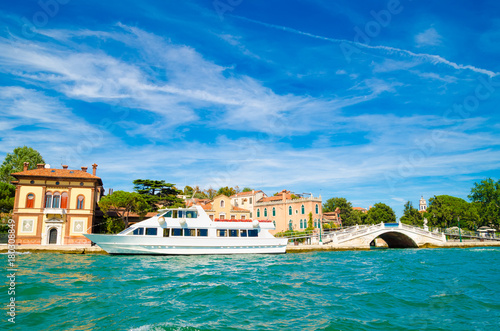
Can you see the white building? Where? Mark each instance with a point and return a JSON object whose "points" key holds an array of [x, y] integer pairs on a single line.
{"points": [[247, 200]]}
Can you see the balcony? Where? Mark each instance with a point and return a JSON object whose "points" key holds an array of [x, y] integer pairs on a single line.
{"points": [[54, 211]]}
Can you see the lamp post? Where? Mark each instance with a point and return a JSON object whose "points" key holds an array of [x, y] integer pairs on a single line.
{"points": [[459, 231]]}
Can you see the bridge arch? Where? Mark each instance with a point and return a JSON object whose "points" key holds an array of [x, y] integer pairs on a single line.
{"points": [[396, 239]]}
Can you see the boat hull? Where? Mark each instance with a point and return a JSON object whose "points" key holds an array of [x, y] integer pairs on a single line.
{"points": [[114, 244]]}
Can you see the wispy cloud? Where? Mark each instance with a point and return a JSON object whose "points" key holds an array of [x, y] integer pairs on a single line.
{"points": [[433, 59], [429, 37]]}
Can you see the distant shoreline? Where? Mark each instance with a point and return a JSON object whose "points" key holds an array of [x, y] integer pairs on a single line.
{"points": [[87, 249]]}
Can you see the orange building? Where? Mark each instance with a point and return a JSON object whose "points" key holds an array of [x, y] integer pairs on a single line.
{"points": [[55, 206], [289, 213]]}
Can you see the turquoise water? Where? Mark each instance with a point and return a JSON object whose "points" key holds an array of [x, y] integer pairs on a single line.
{"points": [[412, 289]]}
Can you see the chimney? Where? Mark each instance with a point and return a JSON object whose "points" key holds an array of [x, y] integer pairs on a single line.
{"points": [[94, 169], [25, 166], [65, 166], [40, 166], [84, 169]]}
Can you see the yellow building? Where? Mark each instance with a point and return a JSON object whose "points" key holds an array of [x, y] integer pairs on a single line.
{"points": [[55, 206], [221, 208]]}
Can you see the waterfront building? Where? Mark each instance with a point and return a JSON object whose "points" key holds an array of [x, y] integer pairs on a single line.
{"points": [[221, 208], [289, 212], [333, 217], [422, 205], [55, 206], [361, 209], [247, 200]]}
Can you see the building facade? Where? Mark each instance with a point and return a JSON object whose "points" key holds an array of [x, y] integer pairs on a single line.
{"points": [[289, 214], [221, 208], [247, 200], [422, 205], [55, 206]]}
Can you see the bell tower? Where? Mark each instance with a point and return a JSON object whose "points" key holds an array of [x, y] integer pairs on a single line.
{"points": [[422, 206]]}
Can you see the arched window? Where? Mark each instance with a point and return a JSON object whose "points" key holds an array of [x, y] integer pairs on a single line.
{"points": [[290, 210], [274, 222], [64, 200], [315, 223], [56, 200], [303, 210], [30, 200], [222, 203], [317, 209], [48, 200], [301, 223], [290, 225], [258, 213], [274, 211], [80, 201], [265, 212]]}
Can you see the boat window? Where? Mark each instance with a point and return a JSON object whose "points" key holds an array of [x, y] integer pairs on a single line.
{"points": [[127, 231], [221, 233], [233, 233], [191, 214], [151, 231], [189, 232], [168, 214], [176, 232], [181, 214], [243, 233], [138, 232], [253, 233], [202, 232], [166, 232]]}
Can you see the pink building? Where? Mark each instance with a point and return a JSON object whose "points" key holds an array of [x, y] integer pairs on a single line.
{"points": [[289, 213]]}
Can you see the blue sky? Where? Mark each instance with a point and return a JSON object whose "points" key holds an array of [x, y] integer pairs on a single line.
{"points": [[375, 101]]}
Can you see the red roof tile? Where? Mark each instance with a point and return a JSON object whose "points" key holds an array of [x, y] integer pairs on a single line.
{"points": [[59, 173], [241, 194]]}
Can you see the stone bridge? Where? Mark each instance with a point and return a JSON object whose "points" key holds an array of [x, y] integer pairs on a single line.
{"points": [[396, 235]]}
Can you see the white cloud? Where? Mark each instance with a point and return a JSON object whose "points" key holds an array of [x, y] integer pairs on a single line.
{"points": [[429, 37]]}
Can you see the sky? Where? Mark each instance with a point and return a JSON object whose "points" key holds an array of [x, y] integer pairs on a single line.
{"points": [[374, 101]]}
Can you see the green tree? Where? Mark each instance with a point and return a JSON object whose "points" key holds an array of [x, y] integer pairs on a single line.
{"points": [[123, 203], [247, 189], [485, 197], [380, 212], [444, 210], [227, 191], [158, 193], [411, 215], [310, 225], [210, 193], [7, 194], [14, 162], [357, 217], [345, 210], [188, 190], [114, 224]]}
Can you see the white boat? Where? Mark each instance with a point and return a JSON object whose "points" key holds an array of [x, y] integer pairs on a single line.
{"points": [[189, 231]]}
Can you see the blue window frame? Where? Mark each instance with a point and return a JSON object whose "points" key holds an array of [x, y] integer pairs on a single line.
{"points": [[290, 210], [258, 213], [303, 210], [253, 233], [317, 209]]}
